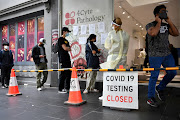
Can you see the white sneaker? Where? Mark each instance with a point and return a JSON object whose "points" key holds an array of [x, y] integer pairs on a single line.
{"points": [[95, 90], [63, 91], [2, 87], [39, 89], [6, 86], [85, 91], [101, 98]]}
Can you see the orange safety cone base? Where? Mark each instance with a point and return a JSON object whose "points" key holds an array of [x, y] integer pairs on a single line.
{"points": [[13, 87], [75, 104], [10, 95], [75, 98], [13, 91]]}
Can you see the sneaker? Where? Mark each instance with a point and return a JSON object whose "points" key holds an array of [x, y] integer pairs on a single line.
{"points": [[85, 91], [2, 87], [62, 91], [160, 94], [39, 89], [152, 102], [101, 98], [94, 90], [6, 86]]}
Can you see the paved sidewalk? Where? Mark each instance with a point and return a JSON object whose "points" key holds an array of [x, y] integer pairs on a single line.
{"points": [[49, 105]]}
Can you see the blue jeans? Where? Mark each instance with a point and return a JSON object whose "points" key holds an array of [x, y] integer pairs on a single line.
{"points": [[156, 62]]}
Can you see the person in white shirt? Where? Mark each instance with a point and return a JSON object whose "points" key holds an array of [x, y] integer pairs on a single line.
{"points": [[142, 55]]}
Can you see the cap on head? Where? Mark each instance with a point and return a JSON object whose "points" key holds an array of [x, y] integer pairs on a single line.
{"points": [[5, 43], [65, 29], [42, 40]]}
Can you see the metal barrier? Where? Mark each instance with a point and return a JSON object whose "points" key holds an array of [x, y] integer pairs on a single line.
{"points": [[102, 70]]}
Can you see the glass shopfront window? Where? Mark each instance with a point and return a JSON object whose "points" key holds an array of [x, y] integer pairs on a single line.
{"points": [[4, 34], [30, 38], [22, 37], [20, 41], [40, 33], [12, 39]]}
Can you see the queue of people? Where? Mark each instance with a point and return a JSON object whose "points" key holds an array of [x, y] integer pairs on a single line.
{"points": [[116, 43]]}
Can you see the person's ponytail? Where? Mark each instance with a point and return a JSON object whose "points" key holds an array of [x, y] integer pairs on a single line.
{"points": [[91, 36]]}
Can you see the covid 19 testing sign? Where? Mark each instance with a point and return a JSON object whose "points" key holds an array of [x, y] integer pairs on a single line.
{"points": [[120, 89]]}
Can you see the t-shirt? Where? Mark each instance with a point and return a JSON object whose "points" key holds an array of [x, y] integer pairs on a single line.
{"points": [[63, 55], [42, 60], [158, 46]]}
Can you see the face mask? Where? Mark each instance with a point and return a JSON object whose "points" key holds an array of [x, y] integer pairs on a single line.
{"points": [[67, 34], [163, 15], [112, 27], [6, 47]]}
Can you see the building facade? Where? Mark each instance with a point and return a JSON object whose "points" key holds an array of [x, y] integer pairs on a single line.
{"points": [[22, 24]]}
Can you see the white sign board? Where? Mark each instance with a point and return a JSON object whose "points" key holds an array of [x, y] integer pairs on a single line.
{"points": [[120, 89]]}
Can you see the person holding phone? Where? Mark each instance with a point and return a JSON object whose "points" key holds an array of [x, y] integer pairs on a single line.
{"points": [[159, 52], [40, 60], [92, 58]]}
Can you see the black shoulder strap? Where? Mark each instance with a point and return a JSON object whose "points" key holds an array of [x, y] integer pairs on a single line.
{"points": [[9, 52]]}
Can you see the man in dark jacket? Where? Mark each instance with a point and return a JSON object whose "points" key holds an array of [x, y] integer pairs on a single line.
{"points": [[64, 60], [92, 59], [40, 60], [6, 60]]}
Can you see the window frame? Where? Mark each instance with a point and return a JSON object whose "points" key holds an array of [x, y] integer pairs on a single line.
{"points": [[25, 63]]}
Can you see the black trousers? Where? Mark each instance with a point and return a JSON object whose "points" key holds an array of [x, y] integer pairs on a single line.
{"points": [[5, 75], [65, 76]]}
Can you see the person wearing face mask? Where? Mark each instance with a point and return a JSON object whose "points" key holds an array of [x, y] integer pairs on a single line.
{"points": [[159, 52], [6, 60], [92, 58], [40, 60], [117, 43], [64, 60]]}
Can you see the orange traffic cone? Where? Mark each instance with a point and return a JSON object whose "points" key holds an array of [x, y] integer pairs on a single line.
{"points": [[13, 86], [75, 97], [121, 67]]}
